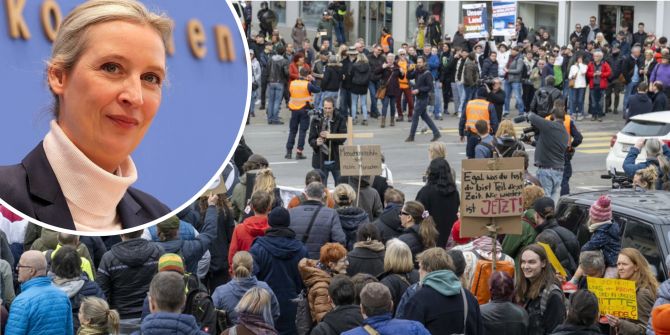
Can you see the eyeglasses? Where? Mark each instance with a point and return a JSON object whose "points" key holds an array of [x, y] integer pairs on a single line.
{"points": [[19, 266], [404, 213], [556, 50]]}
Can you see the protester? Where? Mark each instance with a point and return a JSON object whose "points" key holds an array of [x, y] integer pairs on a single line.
{"points": [[351, 216], [399, 272], [582, 315], [310, 177], [659, 98], [367, 255], [326, 156], [658, 155], [566, 241], [501, 315], [420, 232], [440, 200], [96, 318], [345, 315], [512, 244], [639, 103], [389, 223], [317, 276], [550, 146], [645, 179]]}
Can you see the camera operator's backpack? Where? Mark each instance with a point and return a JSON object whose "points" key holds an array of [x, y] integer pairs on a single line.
{"points": [[545, 101], [200, 305]]}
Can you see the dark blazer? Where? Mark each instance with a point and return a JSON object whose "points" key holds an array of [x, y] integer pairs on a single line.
{"points": [[32, 188]]}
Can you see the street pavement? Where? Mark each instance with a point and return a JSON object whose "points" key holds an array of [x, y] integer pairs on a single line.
{"points": [[408, 161]]}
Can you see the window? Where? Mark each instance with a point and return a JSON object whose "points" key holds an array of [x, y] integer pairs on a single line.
{"points": [[311, 12], [572, 217], [641, 236], [646, 128], [434, 9], [279, 7]]}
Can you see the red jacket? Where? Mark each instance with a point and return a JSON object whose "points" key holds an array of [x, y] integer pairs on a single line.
{"points": [[605, 72], [245, 234], [294, 71]]}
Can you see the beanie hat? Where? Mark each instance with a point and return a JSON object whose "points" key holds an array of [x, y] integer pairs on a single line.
{"points": [[258, 159], [660, 319], [601, 210], [279, 217], [171, 262], [544, 207], [169, 224]]}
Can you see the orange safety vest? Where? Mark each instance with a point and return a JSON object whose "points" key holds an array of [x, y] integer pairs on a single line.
{"points": [[386, 46], [566, 124], [404, 83], [475, 110], [300, 95]]}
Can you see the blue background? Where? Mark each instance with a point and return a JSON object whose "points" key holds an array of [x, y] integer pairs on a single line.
{"points": [[197, 124]]}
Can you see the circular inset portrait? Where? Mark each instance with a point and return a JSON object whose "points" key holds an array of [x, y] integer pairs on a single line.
{"points": [[119, 113]]}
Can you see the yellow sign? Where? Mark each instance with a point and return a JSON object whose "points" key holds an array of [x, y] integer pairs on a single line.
{"points": [[616, 297], [554, 260]]}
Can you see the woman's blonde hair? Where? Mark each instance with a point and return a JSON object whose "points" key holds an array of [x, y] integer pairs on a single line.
{"points": [[530, 194], [361, 58], [257, 302], [243, 264], [398, 257], [506, 128], [648, 175], [97, 311], [344, 195], [437, 150], [643, 277], [265, 181], [71, 40]]}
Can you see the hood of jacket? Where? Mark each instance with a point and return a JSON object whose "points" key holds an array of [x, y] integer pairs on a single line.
{"points": [[351, 217], [169, 323], [372, 245], [280, 247], [256, 225], [240, 286], [345, 317], [568, 329], [276, 58], [135, 252], [311, 273], [443, 281], [612, 230], [70, 286]]}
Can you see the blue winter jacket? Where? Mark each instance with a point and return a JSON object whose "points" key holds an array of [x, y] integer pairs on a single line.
{"points": [[663, 297], [385, 325], [228, 295], [40, 309], [163, 323], [186, 231], [434, 65], [629, 166], [607, 239], [276, 263]]}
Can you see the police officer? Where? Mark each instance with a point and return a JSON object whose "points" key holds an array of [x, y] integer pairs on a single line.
{"points": [[300, 102], [574, 139], [477, 109]]}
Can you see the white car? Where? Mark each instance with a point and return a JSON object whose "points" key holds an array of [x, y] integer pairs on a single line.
{"points": [[650, 125]]}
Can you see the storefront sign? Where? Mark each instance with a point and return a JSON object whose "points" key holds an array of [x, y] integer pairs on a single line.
{"points": [[475, 20], [616, 297], [504, 18]]}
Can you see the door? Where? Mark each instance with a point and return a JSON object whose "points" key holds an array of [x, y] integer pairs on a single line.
{"points": [[613, 17], [373, 16]]}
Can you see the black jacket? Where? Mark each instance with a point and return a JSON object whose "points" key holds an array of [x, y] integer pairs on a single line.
{"points": [[337, 125], [614, 61], [376, 64], [339, 320], [424, 83], [568, 329], [360, 78], [506, 145], [567, 247], [443, 315], [397, 283], [332, 78], [442, 204], [351, 218], [346, 71], [125, 273], [639, 104], [498, 101], [504, 318], [389, 222], [367, 257], [32, 188], [628, 66], [412, 238], [660, 102]]}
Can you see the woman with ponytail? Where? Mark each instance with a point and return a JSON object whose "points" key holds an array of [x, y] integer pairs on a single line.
{"points": [[96, 318], [440, 197], [658, 155], [227, 296], [420, 232]]}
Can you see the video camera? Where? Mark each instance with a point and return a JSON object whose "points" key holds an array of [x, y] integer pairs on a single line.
{"points": [[618, 181], [316, 113], [486, 81], [528, 133]]}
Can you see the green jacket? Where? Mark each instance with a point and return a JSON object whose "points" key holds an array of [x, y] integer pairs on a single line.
{"points": [[513, 244]]}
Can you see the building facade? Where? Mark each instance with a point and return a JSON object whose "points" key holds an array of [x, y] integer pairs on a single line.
{"points": [[366, 18]]}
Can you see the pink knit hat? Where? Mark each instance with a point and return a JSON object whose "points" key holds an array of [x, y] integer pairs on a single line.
{"points": [[601, 210]]}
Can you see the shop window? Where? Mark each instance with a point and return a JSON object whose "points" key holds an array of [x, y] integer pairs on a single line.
{"points": [[279, 7], [311, 12]]}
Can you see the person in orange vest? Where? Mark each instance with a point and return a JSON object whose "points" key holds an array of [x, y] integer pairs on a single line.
{"points": [[477, 109], [301, 91], [574, 139], [386, 41], [405, 67]]}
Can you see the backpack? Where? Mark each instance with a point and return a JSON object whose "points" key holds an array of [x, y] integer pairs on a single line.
{"points": [[544, 103], [492, 148], [482, 272], [200, 305], [303, 315]]}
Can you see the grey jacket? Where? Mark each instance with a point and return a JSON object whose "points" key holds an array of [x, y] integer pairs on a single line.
{"points": [[326, 228], [515, 70], [551, 144]]}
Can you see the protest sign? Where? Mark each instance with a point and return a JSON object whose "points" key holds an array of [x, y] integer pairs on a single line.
{"points": [[504, 18], [491, 193], [475, 19], [616, 297], [361, 160], [558, 267]]}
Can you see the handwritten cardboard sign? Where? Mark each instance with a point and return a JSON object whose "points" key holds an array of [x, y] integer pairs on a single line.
{"points": [[361, 160], [491, 193], [616, 297]]}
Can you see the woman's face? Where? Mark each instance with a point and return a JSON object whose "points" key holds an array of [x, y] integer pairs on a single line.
{"points": [[405, 219], [389, 59], [340, 266], [625, 267], [300, 61], [531, 265], [111, 95]]}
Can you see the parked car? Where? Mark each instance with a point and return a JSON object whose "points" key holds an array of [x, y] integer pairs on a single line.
{"points": [[650, 125], [644, 219]]}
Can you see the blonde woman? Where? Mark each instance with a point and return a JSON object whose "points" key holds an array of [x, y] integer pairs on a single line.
{"points": [[359, 87], [265, 181], [505, 141], [254, 314], [645, 179], [96, 318], [399, 272]]}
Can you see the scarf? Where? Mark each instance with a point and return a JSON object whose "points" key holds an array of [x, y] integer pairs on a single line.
{"points": [[255, 324], [280, 232], [92, 330], [484, 246], [594, 226]]}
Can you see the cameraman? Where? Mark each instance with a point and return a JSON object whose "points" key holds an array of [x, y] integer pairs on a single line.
{"points": [[551, 145], [574, 139], [326, 156], [475, 110], [496, 96]]}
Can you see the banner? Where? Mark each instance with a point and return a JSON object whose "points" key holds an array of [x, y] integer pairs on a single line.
{"points": [[475, 19], [616, 297], [558, 267], [504, 18]]}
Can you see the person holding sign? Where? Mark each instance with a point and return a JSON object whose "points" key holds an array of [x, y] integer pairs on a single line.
{"points": [[326, 157], [538, 291], [631, 265]]}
